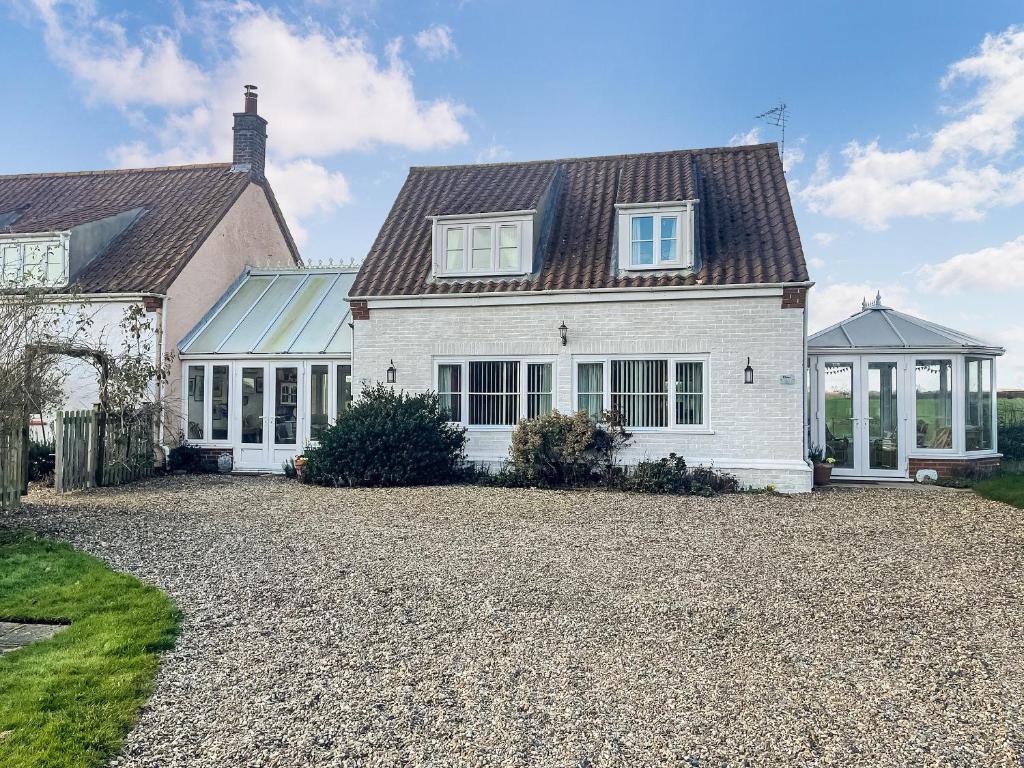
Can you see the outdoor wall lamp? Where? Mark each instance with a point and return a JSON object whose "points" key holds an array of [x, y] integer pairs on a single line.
{"points": [[748, 373], [563, 331], [392, 373]]}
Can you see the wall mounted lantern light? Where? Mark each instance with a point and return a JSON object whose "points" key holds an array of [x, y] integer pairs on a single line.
{"points": [[392, 373], [563, 331], [748, 373]]}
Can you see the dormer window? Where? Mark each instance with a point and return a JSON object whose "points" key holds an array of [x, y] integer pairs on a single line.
{"points": [[498, 244], [656, 236], [34, 260]]}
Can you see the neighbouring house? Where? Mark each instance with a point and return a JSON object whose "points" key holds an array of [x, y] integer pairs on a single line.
{"points": [[670, 287], [269, 367], [171, 239], [894, 396]]}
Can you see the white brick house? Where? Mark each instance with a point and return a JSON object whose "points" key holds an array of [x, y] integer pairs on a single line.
{"points": [[643, 283]]}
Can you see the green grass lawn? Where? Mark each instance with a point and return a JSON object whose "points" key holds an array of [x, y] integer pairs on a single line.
{"points": [[1003, 487], [70, 700]]}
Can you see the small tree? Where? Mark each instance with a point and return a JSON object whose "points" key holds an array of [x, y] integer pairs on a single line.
{"points": [[389, 438], [34, 328]]}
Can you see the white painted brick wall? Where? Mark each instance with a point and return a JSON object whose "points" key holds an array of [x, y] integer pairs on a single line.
{"points": [[757, 429]]}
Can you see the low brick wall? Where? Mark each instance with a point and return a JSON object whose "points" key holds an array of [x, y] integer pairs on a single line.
{"points": [[953, 467], [210, 456]]}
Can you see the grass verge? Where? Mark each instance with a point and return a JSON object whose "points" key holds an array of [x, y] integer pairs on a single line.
{"points": [[1004, 487], [70, 700]]}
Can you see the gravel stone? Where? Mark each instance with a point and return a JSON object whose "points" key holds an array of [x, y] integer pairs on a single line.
{"points": [[461, 626]]}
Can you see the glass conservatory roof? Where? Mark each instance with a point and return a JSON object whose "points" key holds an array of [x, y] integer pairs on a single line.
{"points": [[278, 312], [879, 327]]}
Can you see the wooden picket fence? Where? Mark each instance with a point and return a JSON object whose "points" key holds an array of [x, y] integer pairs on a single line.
{"points": [[127, 448], [12, 469], [97, 448], [76, 439]]}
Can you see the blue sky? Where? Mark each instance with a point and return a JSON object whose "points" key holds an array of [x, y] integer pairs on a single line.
{"points": [[905, 146]]}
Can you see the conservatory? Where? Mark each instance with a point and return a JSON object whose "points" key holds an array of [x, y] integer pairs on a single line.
{"points": [[269, 367], [893, 396]]}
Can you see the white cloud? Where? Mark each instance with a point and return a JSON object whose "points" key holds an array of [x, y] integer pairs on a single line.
{"points": [[322, 93], [493, 153], [97, 52], [753, 136], [829, 304], [793, 156], [824, 239], [999, 268], [304, 188], [1009, 367], [817, 262], [964, 168], [436, 41]]}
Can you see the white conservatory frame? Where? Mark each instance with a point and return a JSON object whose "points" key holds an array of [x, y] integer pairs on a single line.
{"points": [[271, 320], [958, 348]]}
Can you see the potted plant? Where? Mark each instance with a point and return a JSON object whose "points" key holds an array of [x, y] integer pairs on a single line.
{"points": [[822, 465], [300, 468]]}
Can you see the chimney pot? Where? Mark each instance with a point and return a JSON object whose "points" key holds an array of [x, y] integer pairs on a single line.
{"points": [[250, 99]]}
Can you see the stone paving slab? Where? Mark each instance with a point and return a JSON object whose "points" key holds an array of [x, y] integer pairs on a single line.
{"points": [[14, 635]]}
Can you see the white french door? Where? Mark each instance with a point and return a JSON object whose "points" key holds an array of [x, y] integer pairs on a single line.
{"points": [[862, 415], [269, 417]]}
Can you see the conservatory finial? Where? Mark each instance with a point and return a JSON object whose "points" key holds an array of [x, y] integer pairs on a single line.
{"points": [[878, 299]]}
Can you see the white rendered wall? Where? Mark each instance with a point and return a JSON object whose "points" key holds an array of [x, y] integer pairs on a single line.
{"points": [[756, 430], [81, 382]]}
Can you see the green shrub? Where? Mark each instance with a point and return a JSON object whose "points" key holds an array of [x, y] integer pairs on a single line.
{"points": [[671, 475], [41, 461], [1011, 437], [558, 451], [389, 438], [185, 457]]}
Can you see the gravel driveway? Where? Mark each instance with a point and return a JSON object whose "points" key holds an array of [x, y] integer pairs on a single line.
{"points": [[491, 627]]}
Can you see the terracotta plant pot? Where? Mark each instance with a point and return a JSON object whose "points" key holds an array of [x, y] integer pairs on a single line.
{"points": [[300, 468], [822, 474]]}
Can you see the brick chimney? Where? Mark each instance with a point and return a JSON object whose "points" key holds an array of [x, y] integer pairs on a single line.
{"points": [[250, 152]]}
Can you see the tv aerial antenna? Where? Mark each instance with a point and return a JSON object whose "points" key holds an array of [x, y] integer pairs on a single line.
{"points": [[777, 116]]}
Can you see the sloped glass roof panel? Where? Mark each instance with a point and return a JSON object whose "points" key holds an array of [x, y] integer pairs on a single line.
{"points": [[331, 313], [228, 316], [262, 314], [342, 341], [295, 314], [871, 330], [878, 326]]}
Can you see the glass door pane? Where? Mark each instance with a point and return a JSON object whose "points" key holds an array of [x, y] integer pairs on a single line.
{"points": [[840, 443], [317, 401], [252, 405], [286, 405], [219, 403], [883, 416], [196, 400]]}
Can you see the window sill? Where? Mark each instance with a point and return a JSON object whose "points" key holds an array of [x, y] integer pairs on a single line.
{"points": [[488, 273], [663, 266], [671, 430]]}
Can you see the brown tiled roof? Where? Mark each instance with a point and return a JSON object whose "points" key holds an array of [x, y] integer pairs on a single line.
{"points": [[747, 233], [181, 206]]}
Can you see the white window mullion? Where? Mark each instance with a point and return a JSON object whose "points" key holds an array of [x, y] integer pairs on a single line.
{"points": [[207, 401]]}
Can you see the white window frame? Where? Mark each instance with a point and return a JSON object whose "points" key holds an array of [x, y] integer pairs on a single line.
{"points": [[234, 366], [524, 363], [994, 421], [61, 241], [207, 366], [704, 428], [685, 246], [521, 220]]}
